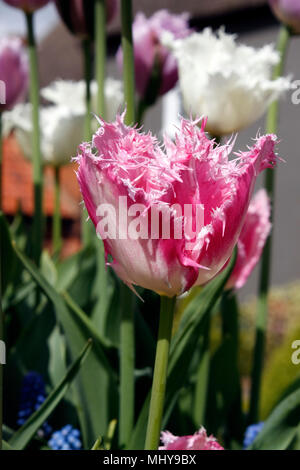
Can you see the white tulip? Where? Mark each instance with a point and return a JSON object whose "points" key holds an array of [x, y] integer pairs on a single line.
{"points": [[61, 132], [72, 95], [230, 83], [61, 123]]}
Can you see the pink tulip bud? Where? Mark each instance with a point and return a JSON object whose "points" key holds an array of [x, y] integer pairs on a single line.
{"points": [[198, 441], [287, 11], [13, 72], [78, 15], [149, 50], [252, 239], [169, 218], [27, 5]]}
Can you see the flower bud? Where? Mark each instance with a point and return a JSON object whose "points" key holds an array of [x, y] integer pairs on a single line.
{"points": [[287, 11], [13, 72], [27, 5], [150, 52], [78, 15]]}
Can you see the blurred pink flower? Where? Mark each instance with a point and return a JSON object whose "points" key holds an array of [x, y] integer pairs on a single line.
{"points": [[198, 441], [28, 5], [287, 11], [13, 72], [252, 239], [148, 48], [78, 15], [191, 173]]}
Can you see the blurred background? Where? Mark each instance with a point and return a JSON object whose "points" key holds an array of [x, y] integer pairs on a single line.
{"points": [[253, 21]]}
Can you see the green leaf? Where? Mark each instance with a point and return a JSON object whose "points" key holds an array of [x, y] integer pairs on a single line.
{"points": [[96, 387], [224, 408], [85, 322], [7, 258], [24, 435], [76, 275], [57, 355], [282, 426], [6, 446], [103, 290], [182, 350]]}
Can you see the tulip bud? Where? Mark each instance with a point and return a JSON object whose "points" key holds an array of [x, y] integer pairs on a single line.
{"points": [[13, 72], [78, 15], [287, 11], [27, 5], [150, 52]]}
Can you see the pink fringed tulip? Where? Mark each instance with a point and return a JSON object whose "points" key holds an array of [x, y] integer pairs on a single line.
{"points": [[13, 72], [252, 239], [287, 11], [148, 49], [78, 15], [169, 218], [28, 5], [198, 441]]}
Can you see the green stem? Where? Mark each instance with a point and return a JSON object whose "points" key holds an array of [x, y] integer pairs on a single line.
{"points": [[86, 227], [36, 149], [127, 319], [87, 58], [100, 29], [127, 360], [201, 392], [128, 60], [234, 429], [262, 309], [160, 373], [57, 239]]}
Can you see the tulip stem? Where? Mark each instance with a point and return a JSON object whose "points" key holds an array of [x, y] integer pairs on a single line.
{"points": [[36, 148], [230, 337], [127, 363], [128, 61], [160, 373], [201, 393], [264, 283], [100, 31], [57, 239], [127, 317], [87, 60]]}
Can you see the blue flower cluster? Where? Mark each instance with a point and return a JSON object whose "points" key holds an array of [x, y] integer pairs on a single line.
{"points": [[33, 394], [251, 433], [67, 438]]}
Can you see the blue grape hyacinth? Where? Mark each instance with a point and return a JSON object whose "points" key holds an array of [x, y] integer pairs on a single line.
{"points": [[68, 438], [33, 394], [251, 433]]}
